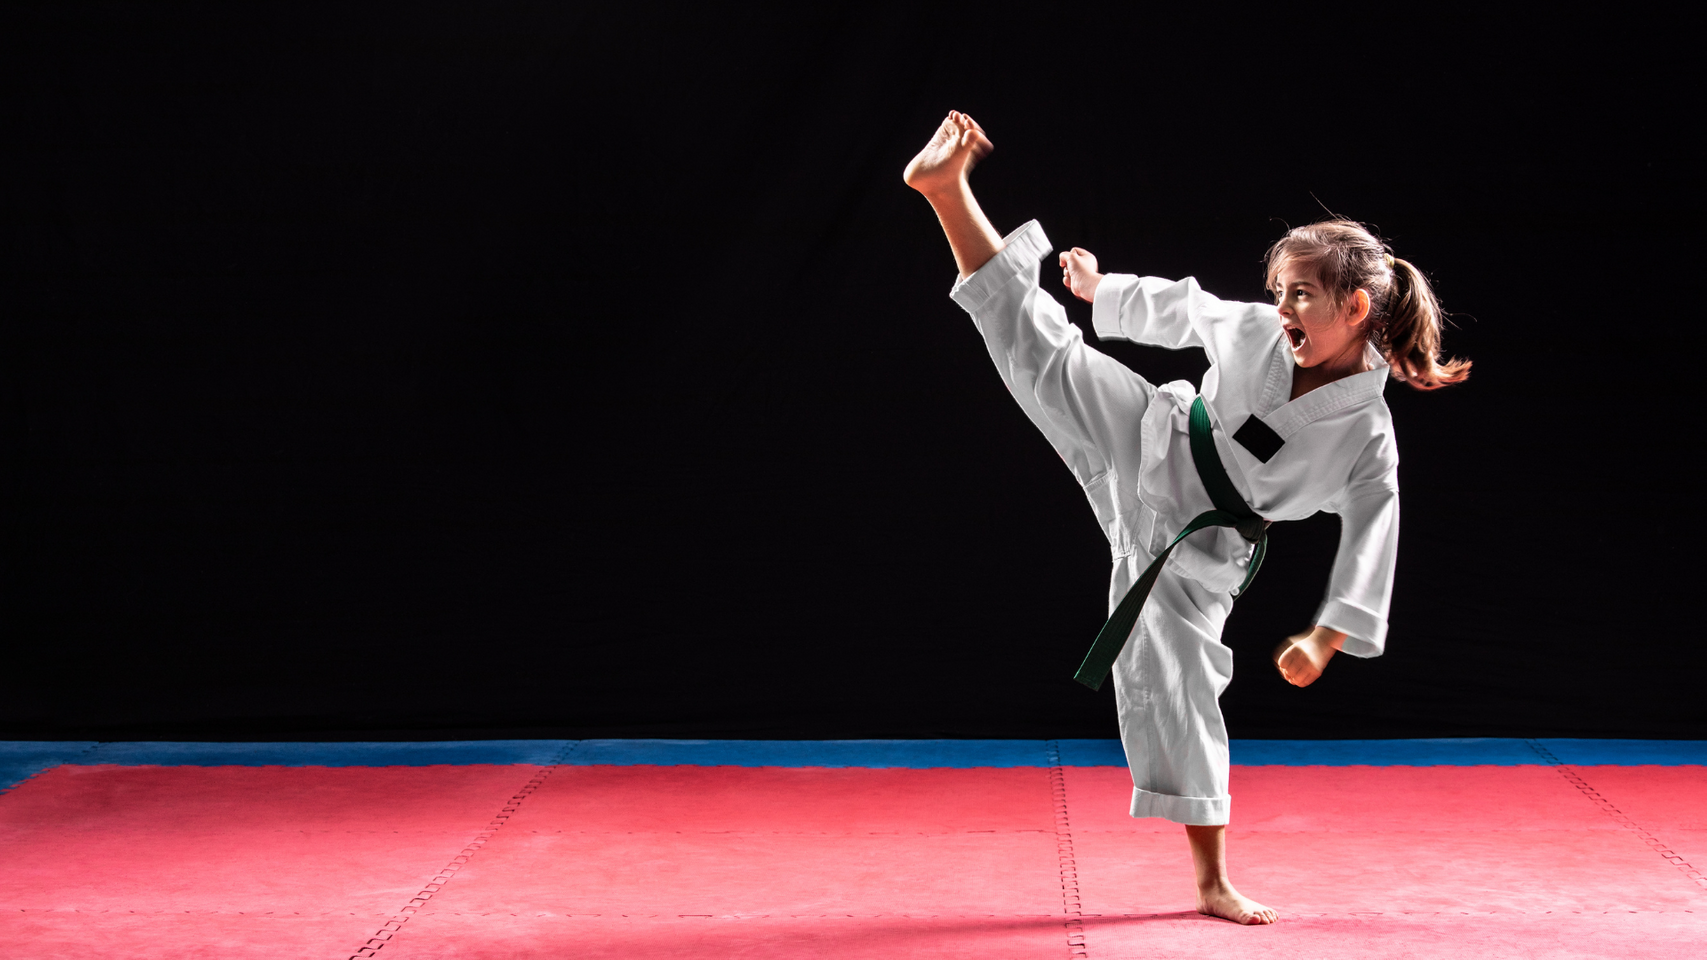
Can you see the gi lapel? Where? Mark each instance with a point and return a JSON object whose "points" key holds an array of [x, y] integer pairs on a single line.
{"points": [[1295, 415]]}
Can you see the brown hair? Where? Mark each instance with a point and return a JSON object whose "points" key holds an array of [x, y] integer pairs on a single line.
{"points": [[1404, 317]]}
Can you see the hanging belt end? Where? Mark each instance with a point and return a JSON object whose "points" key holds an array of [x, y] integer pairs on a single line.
{"points": [[1094, 682]]}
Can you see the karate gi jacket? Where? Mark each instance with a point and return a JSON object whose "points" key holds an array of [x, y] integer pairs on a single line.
{"points": [[1338, 453]]}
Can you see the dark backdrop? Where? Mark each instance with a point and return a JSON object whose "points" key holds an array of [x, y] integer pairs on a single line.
{"points": [[529, 369]]}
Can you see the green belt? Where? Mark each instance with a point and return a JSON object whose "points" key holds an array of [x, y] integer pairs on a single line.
{"points": [[1230, 511]]}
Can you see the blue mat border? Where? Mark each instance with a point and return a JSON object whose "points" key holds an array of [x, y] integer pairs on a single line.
{"points": [[20, 760]]}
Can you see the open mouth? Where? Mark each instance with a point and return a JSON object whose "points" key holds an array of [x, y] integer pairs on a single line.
{"points": [[1296, 336]]}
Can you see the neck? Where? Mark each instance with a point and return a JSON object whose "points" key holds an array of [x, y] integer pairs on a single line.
{"points": [[1352, 361]]}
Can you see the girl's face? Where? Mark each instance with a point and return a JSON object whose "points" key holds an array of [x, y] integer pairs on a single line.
{"points": [[1317, 331]]}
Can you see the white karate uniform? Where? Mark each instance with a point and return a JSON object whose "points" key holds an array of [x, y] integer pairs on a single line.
{"points": [[1128, 443]]}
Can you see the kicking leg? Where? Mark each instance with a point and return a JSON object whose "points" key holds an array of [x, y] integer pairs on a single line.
{"points": [[1215, 894], [939, 172]]}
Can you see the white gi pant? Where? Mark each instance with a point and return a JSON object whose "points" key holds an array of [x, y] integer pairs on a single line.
{"points": [[1170, 675], [1168, 682]]}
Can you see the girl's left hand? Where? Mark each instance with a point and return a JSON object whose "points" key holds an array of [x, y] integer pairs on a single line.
{"points": [[1303, 657]]}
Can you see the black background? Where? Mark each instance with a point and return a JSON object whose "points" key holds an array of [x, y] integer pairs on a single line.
{"points": [[513, 369]]}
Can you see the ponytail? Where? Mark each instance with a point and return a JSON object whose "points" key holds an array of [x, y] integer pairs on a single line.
{"points": [[1405, 319], [1408, 332]]}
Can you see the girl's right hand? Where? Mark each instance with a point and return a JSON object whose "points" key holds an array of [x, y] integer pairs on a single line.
{"points": [[1079, 273]]}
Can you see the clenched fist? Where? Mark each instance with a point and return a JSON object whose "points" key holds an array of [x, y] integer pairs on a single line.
{"points": [[1079, 273], [1302, 657]]}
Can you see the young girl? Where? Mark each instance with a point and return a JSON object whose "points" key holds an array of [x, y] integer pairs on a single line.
{"points": [[1291, 409]]}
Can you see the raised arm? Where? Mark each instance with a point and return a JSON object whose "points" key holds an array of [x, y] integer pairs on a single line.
{"points": [[1085, 402], [1140, 309]]}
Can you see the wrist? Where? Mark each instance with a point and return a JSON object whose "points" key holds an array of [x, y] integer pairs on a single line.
{"points": [[1327, 638], [1084, 285]]}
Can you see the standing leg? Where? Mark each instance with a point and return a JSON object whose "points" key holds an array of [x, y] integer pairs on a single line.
{"points": [[939, 172], [1168, 682]]}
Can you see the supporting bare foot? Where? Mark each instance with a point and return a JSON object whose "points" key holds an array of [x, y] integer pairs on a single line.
{"points": [[1221, 900], [950, 155]]}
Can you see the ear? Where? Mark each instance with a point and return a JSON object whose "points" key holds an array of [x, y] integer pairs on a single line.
{"points": [[1357, 307]]}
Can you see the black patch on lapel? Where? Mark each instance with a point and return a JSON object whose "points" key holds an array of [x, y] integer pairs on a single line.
{"points": [[1262, 442]]}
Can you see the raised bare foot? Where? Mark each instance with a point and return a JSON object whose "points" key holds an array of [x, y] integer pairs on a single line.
{"points": [[1223, 901], [952, 153]]}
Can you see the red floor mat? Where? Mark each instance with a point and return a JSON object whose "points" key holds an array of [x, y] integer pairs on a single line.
{"points": [[693, 862], [675, 841], [109, 861], [1669, 803]]}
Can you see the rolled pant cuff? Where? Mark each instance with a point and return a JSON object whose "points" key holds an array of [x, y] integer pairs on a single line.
{"points": [[1194, 811]]}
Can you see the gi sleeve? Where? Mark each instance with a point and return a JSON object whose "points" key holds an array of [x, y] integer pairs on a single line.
{"points": [[1085, 402], [1177, 314], [1146, 310], [1360, 589]]}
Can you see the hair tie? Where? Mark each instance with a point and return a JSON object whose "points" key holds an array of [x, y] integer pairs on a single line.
{"points": [[1389, 261]]}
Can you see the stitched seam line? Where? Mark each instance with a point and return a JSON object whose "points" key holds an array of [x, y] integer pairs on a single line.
{"points": [[395, 925], [1071, 908], [1575, 779]]}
